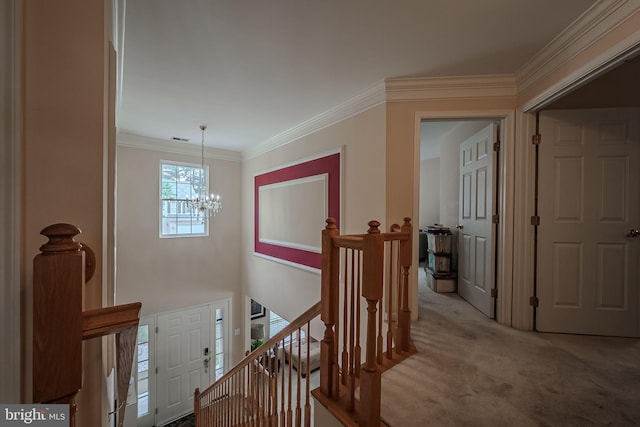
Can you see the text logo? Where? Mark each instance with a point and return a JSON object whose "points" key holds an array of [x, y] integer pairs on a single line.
{"points": [[34, 415]]}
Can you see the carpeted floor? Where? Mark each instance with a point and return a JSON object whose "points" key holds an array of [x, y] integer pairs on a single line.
{"points": [[472, 371], [188, 421]]}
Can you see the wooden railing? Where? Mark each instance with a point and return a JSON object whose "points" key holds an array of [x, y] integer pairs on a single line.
{"points": [[365, 310], [264, 389], [365, 307], [59, 324]]}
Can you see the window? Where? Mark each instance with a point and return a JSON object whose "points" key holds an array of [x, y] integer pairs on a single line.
{"points": [[143, 370], [276, 324], [179, 182], [219, 347]]}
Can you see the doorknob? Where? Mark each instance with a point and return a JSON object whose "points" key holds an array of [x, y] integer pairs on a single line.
{"points": [[206, 364], [459, 226], [634, 232]]}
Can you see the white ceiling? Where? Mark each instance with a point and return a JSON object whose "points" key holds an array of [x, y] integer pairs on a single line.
{"points": [[253, 69]]}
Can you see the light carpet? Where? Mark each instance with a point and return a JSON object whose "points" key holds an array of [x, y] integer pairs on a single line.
{"points": [[472, 371]]}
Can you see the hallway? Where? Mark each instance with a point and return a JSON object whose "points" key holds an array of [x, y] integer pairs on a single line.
{"points": [[475, 372]]}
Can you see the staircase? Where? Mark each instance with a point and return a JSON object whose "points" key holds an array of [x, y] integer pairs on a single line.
{"points": [[365, 317]]}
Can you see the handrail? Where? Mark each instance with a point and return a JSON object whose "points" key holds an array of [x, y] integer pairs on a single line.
{"points": [[60, 325], [364, 276], [250, 391], [365, 310], [300, 321]]}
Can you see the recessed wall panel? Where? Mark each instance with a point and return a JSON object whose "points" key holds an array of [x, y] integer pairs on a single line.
{"points": [[612, 278], [195, 344], [466, 195], [568, 191], [466, 271], [568, 134], [467, 156], [612, 174], [481, 262], [291, 205], [173, 354], [567, 274], [194, 379], [175, 391], [482, 149], [174, 322], [612, 132], [481, 193], [284, 205]]}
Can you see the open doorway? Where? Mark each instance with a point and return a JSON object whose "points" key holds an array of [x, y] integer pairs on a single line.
{"points": [[458, 208]]}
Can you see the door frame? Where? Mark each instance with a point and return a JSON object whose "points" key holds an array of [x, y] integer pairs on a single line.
{"points": [[152, 321], [525, 177], [505, 170]]}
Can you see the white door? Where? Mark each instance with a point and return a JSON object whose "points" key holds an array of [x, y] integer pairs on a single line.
{"points": [[589, 200], [183, 360], [476, 252]]}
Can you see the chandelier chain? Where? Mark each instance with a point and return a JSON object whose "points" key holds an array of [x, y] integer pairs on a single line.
{"points": [[202, 205]]}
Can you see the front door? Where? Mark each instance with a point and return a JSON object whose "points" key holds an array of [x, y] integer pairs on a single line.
{"points": [[589, 200], [476, 252], [183, 360]]}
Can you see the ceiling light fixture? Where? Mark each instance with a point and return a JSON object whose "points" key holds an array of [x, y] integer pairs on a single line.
{"points": [[203, 205]]}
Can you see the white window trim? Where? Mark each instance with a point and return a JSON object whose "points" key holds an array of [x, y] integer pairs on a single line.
{"points": [[160, 199]]}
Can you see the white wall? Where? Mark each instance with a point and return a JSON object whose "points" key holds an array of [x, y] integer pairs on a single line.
{"points": [[289, 290], [173, 273], [429, 192]]}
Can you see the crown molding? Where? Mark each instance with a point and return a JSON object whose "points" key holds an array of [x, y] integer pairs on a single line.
{"points": [[597, 22], [464, 87], [126, 139], [363, 101]]}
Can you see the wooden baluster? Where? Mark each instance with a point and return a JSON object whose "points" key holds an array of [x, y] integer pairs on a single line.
{"points": [[380, 327], [345, 321], [298, 375], [290, 394], [390, 310], [243, 396], [329, 314], [349, 366], [372, 287], [282, 413], [196, 407], [274, 407], [405, 258], [307, 405], [357, 351]]}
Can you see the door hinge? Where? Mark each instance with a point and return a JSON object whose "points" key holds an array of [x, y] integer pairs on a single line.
{"points": [[496, 146], [535, 220], [495, 219], [536, 139], [156, 329], [533, 301], [494, 293], [156, 411], [156, 370]]}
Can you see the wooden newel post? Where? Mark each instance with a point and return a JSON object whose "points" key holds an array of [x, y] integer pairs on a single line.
{"points": [[330, 311], [372, 290], [196, 406], [58, 279], [406, 248]]}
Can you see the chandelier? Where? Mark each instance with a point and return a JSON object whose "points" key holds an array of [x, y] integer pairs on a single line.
{"points": [[204, 205]]}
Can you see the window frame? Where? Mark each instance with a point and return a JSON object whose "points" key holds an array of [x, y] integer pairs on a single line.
{"points": [[161, 200]]}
